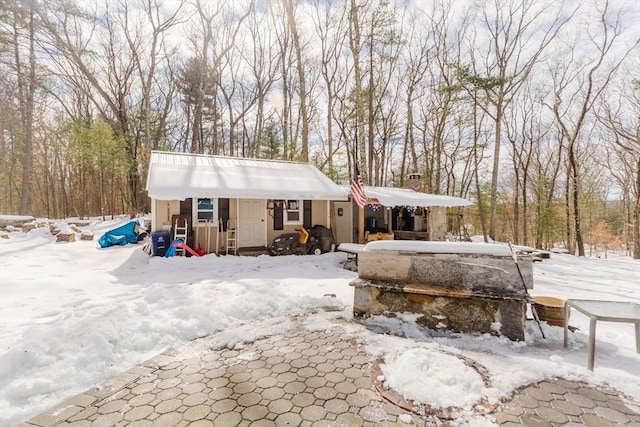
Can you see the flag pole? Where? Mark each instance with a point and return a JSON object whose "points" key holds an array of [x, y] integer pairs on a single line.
{"points": [[359, 197], [361, 225]]}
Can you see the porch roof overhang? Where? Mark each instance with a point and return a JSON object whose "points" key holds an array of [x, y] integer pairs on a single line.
{"points": [[388, 196], [178, 176]]}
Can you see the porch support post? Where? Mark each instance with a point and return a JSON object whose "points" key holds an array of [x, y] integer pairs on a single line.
{"points": [[361, 225]]}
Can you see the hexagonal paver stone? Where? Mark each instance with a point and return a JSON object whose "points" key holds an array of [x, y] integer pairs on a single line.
{"points": [[215, 373], [224, 405], [552, 387], [551, 414], [240, 377], [168, 383], [307, 372], [168, 406], [229, 354], [288, 420], [218, 382], [593, 394], [287, 377], [196, 413], [596, 421], [567, 408], [193, 378], [326, 367], [318, 359], [266, 382], [335, 377], [503, 418], [228, 419], [280, 406], [526, 401], [108, 420], [611, 414], [143, 388], [193, 388], [313, 413], [274, 360], [220, 393], [300, 363], [353, 373], [281, 367], [141, 399], [242, 388], [195, 399], [169, 373], [315, 382], [249, 399], [533, 420], [360, 359], [325, 393], [255, 412], [580, 400], [138, 413], [295, 387], [113, 406], [346, 388], [170, 419], [358, 400], [336, 406], [539, 394], [373, 414], [272, 393], [169, 393], [348, 419]]}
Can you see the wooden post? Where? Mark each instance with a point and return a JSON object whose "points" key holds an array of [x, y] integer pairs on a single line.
{"points": [[361, 225]]}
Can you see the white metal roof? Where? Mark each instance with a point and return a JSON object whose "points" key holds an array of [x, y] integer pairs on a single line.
{"points": [[177, 176], [388, 196]]}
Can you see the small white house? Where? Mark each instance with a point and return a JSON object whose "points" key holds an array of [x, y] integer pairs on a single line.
{"points": [[260, 199], [204, 197]]}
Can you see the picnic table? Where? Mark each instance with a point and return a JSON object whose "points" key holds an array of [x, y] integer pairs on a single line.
{"points": [[606, 311], [352, 250]]}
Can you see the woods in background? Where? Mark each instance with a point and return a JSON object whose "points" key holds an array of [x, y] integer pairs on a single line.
{"points": [[529, 108]]}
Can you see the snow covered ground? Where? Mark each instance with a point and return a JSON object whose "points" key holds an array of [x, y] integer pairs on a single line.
{"points": [[73, 315]]}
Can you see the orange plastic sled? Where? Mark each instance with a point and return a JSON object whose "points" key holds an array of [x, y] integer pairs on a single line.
{"points": [[186, 247]]}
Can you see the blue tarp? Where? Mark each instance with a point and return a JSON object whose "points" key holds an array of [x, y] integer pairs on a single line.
{"points": [[120, 236]]}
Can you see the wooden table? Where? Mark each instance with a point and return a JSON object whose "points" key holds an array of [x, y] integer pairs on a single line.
{"points": [[606, 311]]}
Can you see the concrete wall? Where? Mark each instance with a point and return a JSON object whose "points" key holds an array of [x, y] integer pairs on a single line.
{"points": [[452, 291]]}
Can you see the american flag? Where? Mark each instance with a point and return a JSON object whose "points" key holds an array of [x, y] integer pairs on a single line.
{"points": [[357, 192]]}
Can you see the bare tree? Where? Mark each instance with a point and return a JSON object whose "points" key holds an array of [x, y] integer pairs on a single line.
{"points": [[526, 128], [302, 81], [622, 119], [113, 55], [19, 39], [577, 85], [330, 25], [511, 55]]}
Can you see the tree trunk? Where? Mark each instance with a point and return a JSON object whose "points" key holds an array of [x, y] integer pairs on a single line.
{"points": [[27, 84], [304, 115], [636, 215]]}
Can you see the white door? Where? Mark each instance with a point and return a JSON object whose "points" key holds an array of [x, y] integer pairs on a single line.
{"points": [[252, 227], [342, 222]]}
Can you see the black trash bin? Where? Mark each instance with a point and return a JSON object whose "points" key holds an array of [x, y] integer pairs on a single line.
{"points": [[160, 242]]}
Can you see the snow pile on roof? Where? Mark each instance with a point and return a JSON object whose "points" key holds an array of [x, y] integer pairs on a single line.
{"points": [[178, 176], [390, 196]]}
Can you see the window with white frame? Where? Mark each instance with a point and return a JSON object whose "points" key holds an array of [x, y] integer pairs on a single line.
{"points": [[293, 212], [204, 208]]}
